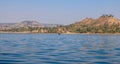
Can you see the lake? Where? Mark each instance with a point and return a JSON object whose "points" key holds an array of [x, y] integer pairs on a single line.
{"points": [[59, 49]]}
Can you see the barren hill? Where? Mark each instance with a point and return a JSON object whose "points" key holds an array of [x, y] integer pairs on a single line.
{"points": [[105, 23]]}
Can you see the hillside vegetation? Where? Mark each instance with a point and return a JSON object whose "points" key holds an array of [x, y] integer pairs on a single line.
{"points": [[103, 24]]}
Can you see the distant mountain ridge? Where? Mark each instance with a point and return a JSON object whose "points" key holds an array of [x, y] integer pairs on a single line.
{"points": [[103, 24], [6, 24], [29, 24], [26, 24]]}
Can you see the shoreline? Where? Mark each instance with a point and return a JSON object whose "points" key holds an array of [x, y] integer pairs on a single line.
{"points": [[50, 33]]}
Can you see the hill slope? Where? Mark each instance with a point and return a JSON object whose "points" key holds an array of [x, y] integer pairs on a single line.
{"points": [[103, 24]]}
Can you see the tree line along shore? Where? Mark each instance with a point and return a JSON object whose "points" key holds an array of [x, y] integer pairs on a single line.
{"points": [[103, 24]]}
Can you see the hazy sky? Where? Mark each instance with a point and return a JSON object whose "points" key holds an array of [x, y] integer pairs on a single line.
{"points": [[56, 11]]}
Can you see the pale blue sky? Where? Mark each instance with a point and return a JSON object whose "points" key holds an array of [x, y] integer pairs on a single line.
{"points": [[56, 11]]}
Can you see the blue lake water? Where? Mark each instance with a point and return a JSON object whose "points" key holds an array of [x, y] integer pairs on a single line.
{"points": [[59, 49]]}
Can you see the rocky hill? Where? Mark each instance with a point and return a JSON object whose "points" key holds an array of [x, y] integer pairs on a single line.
{"points": [[103, 24]]}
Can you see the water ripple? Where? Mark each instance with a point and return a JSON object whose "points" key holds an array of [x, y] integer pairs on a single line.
{"points": [[59, 49]]}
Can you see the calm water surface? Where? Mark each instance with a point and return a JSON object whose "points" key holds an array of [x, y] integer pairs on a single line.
{"points": [[59, 49]]}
